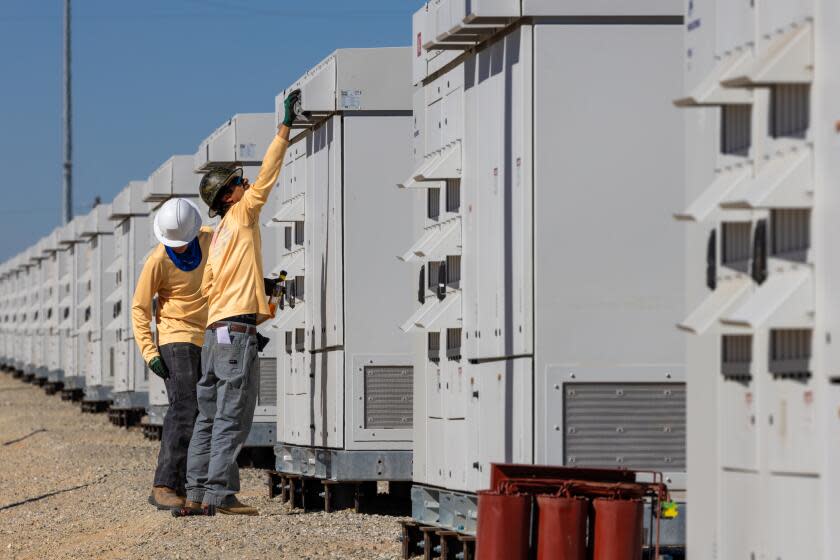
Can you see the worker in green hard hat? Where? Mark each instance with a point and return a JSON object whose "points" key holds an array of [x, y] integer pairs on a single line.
{"points": [[236, 296]]}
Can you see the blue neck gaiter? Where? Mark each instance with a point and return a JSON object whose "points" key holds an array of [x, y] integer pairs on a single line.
{"points": [[189, 259]]}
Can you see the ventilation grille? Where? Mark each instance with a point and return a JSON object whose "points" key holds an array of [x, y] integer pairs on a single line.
{"points": [[433, 346], [299, 233], [388, 397], [790, 110], [300, 340], [791, 234], [433, 203], [628, 425], [453, 270], [736, 245], [299, 287], [453, 195], [790, 353], [736, 357], [453, 344], [736, 130], [268, 382], [434, 274]]}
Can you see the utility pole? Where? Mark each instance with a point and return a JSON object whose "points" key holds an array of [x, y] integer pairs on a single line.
{"points": [[67, 191]]}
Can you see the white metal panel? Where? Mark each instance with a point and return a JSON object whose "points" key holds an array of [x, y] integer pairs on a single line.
{"points": [[327, 394], [456, 387], [792, 427], [707, 203], [454, 468], [741, 521], [606, 310], [129, 202], [792, 529], [501, 428], [779, 15], [601, 8], [783, 57], [333, 251], [716, 304], [174, 177], [244, 138], [357, 80], [739, 427], [786, 299], [782, 182], [418, 54], [735, 26], [432, 468], [434, 380]]}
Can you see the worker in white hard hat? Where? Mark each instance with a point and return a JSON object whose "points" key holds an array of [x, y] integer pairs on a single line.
{"points": [[173, 273]]}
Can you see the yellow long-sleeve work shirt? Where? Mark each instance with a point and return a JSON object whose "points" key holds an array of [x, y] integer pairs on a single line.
{"points": [[233, 278], [182, 308]]}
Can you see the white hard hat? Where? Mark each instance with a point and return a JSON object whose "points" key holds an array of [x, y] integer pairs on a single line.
{"points": [[177, 222]]}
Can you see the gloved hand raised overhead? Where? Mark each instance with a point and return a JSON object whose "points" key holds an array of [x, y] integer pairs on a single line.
{"points": [[289, 105]]}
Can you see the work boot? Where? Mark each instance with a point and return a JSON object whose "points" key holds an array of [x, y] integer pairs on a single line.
{"points": [[235, 507], [165, 498], [193, 508]]}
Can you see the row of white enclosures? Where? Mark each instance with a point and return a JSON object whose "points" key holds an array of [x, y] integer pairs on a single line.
{"points": [[481, 261]]}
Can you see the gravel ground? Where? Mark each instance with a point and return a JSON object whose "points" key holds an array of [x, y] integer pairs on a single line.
{"points": [[108, 516]]}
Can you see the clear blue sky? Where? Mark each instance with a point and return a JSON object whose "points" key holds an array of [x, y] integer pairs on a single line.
{"points": [[150, 79]]}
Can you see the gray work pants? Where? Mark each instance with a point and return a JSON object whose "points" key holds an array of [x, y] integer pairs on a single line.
{"points": [[184, 363], [227, 396]]}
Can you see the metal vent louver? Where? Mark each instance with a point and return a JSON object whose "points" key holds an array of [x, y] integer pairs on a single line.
{"points": [[736, 245], [627, 425], [790, 353], [791, 234], [736, 129], [790, 110], [736, 357], [268, 382], [388, 397]]}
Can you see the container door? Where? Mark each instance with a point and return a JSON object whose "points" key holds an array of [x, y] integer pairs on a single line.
{"points": [[315, 234], [738, 429], [328, 398], [792, 427], [334, 237], [490, 177], [741, 518], [504, 416]]}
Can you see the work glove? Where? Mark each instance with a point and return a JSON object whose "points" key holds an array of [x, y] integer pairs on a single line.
{"points": [[262, 342], [159, 368], [289, 105]]}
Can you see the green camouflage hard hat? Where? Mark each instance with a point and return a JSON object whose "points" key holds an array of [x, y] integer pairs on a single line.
{"points": [[213, 182]]}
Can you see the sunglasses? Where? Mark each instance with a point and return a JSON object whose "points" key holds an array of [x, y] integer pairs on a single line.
{"points": [[235, 182]]}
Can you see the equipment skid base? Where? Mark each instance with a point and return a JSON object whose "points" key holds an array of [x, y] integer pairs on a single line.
{"points": [[318, 494], [434, 542], [125, 417], [51, 387], [95, 407], [74, 395], [153, 432]]}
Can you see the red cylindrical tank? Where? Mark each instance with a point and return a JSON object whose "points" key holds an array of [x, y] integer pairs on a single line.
{"points": [[504, 526], [561, 531], [618, 529]]}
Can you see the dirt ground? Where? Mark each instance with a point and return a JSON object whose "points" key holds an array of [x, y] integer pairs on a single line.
{"points": [[101, 476]]}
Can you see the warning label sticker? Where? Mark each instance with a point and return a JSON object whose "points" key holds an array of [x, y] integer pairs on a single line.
{"points": [[351, 100]]}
